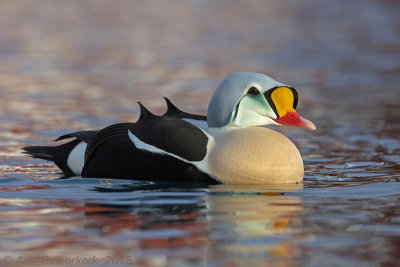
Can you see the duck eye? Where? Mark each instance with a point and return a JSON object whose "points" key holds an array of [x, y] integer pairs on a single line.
{"points": [[253, 91]]}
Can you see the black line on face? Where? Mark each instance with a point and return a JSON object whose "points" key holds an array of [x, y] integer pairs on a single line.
{"points": [[296, 97], [267, 96]]}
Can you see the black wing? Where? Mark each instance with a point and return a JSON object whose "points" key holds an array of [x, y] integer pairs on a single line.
{"points": [[110, 132], [172, 135]]}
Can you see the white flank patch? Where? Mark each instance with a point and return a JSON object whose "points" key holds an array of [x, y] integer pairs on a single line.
{"points": [[202, 124], [139, 144], [76, 158], [201, 165]]}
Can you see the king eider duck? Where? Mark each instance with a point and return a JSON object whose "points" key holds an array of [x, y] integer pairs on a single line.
{"points": [[228, 146]]}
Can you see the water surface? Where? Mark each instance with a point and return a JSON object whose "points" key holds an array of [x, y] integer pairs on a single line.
{"points": [[76, 65]]}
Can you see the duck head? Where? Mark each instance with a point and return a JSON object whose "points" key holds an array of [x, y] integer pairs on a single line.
{"points": [[246, 99]]}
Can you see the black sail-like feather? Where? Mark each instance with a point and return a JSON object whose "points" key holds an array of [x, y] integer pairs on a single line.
{"points": [[171, 108], [173, 111], [144, 112]]}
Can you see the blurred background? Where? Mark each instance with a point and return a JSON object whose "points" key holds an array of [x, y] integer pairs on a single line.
{"points": [[78, 65], [84, 64]]}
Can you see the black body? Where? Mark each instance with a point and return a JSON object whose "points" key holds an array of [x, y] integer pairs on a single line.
{"points": [[111, 154]]}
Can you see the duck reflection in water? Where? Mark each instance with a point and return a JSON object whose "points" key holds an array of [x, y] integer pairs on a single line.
{"points": [[163, 216]]}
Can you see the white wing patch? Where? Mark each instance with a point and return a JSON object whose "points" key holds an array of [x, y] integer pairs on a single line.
{"points": [[201, 165], [76, 158], [139, 144], [202, 124]]}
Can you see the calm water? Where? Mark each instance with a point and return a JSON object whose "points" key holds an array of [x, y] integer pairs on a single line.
{"points": [[74, 65]]}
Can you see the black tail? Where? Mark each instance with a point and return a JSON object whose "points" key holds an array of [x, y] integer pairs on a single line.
{"points": [[40, 152], [57, 154]]}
